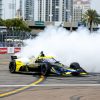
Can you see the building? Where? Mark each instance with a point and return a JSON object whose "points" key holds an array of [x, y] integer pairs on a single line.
{"points": [[22, 9], [59, 10], [9, 9], [0, 8], [26, 9], [29, 10], [47, 10], [79, 8], [18, 14]]}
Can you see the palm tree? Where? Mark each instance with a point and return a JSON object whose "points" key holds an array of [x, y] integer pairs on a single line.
{"points": [[91, 17]]}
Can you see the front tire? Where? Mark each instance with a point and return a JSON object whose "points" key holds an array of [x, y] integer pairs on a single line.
{"points": [[75, 74], [75, 65], [12, 67]]}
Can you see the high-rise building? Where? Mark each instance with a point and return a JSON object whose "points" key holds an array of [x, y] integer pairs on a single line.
{"points": [[59, 10], [79, 8], [8, 9], [0, 8], [22, 8], [29, 9], [47, 10], [26, 9]]}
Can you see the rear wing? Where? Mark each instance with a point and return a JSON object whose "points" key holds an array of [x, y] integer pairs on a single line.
{"points": [[13, 57]]}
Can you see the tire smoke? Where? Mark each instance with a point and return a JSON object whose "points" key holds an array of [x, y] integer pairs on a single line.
{"points": [[78, 46]]}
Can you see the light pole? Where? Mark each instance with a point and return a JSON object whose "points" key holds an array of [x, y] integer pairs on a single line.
{"points": [[50, 17], [70, 19]]}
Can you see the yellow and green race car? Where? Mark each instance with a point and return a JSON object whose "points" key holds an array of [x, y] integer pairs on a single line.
{"points": [[45, 65]]}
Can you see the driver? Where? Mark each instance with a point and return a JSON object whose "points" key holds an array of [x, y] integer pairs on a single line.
{"points": [[42, 54]]}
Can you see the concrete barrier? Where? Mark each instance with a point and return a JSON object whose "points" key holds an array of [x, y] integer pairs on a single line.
{"points": [[7, 50]]}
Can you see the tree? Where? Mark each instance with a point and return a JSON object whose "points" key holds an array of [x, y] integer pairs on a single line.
{"points": [[16, 28], [1, 22], [91, 17], [16, 24], [8, 24]]}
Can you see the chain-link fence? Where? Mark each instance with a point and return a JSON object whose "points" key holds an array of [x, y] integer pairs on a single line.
{"points": [[13, 38]]}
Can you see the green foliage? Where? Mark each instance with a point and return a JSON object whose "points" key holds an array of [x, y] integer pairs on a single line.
{"points": [[91, 17], [2, 22], [8, 23], [15, 24]]}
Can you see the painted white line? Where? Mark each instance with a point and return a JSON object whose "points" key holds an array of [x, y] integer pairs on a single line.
{"points": [[21, 88], [49, 85]]}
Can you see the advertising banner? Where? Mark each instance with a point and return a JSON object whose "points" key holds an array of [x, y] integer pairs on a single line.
{"points": [[16, 50], [10, 50], [3, 50]]}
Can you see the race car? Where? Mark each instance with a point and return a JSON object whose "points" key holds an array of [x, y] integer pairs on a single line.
{"points": [[45, 65]]}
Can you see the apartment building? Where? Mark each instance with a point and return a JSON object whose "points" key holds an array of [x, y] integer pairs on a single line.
{"points": [[47, 10]]}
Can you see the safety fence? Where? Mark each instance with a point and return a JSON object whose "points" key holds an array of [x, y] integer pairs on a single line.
{"points": [[8, 50]]}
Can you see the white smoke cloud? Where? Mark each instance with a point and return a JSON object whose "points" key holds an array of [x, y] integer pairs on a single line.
{"points": [[79, 46]]}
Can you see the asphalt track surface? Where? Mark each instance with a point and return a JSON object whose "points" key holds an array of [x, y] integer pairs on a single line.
{"points": [[23, 84]]}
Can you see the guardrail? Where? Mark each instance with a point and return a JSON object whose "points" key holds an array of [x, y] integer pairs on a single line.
{"points": [[7, 50]]}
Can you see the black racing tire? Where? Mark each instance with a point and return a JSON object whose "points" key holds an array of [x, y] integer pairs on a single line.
{"points": [[45, 69], [12, 67], [75, 65]]}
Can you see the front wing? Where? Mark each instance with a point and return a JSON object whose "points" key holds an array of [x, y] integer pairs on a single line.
{"points": [[68, 72]]}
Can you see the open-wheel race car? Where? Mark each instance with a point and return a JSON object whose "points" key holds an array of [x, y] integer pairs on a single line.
{"points": [[45, 65]]}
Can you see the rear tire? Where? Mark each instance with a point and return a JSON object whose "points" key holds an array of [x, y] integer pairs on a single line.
{"points": [[45, 69], [12, 67]]}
